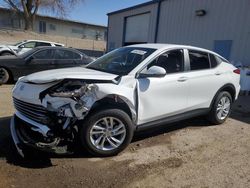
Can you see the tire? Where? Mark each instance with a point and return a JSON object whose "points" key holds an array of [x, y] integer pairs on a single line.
{"points": [[217, 115], [97, 129], [4, 76], [6, 54]]}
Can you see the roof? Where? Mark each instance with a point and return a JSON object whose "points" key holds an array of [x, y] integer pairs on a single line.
{"points": [[159, 46], [42, 41], [64, 19], [134, 7]]}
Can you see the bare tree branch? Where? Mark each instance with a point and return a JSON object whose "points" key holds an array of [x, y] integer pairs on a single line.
{"points": [[29, 8], [13, 5]]}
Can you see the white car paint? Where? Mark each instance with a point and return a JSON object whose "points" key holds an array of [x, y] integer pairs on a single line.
{"points": [[158, 97], [148, 98], [19, 48]]}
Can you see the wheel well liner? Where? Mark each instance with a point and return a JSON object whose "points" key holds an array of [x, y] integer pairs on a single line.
{"points": [[113, 101]]}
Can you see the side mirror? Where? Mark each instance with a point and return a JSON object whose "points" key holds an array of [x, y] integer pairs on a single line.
{"points": [[154, 71], [21, 46]]}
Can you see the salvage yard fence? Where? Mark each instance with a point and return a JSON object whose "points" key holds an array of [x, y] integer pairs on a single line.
{"points": [[14, 36]]}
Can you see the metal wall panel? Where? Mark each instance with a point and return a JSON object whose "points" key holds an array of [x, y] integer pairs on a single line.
{"points": [[224, 20]]}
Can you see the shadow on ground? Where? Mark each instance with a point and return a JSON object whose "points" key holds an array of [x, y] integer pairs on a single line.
{"points": [[38, 159], [241, 109]]}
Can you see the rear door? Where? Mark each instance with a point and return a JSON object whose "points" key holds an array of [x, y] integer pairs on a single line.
{"points": [[204, 79]]}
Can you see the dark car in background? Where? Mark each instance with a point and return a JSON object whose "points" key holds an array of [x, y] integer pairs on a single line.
{"points": [[39, 59]]}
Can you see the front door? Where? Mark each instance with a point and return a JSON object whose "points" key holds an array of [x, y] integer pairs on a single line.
{"points": [[40, 61], [165, 96]]}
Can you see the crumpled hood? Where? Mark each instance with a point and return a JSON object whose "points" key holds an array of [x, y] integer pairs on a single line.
{"points": [[68, 73]]}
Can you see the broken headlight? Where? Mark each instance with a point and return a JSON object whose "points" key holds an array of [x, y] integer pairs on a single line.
{"points": [[70, 89]]}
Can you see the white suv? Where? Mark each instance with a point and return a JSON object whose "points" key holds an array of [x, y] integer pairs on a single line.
{"points": [[24, 46], [128, 89]]}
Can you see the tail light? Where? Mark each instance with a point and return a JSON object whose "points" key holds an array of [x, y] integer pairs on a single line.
{"points": [[237, 71]]}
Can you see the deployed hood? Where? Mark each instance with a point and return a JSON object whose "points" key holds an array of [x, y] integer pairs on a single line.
{"points": [[68, 73]]}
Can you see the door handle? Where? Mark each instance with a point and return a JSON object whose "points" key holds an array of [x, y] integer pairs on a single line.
{"points": [[182, 79], [218, 73]]}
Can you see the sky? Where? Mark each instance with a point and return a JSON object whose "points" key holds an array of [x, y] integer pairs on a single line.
{"points": [[95, 11]]}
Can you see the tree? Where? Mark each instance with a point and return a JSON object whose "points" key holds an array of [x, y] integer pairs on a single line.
{"points": [[29, 8]]}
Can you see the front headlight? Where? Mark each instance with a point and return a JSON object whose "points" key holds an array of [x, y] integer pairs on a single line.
{"points": [[70, 89]]}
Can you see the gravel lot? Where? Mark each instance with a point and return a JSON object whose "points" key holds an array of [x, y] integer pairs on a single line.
{"points": [[187, 154]]}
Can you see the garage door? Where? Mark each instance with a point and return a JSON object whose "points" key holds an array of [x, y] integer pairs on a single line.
{"points": [[137, 29]]}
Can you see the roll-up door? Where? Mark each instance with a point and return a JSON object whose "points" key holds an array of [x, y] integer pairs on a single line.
{"points": [[137, 28]]}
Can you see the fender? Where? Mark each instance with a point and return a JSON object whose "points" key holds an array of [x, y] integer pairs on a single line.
{"points": [[227, 87]]}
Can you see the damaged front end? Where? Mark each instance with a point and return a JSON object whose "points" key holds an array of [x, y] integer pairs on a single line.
{"points": [[53, 124]]}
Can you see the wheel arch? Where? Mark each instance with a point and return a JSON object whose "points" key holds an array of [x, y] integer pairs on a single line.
{"points": [[115, 101], [6, 51], [227, 87]]}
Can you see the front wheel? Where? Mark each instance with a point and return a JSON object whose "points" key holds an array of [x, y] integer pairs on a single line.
{"points": [[221, 108], [107, 132]]}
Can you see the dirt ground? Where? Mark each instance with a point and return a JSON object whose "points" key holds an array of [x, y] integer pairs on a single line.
{"points": [[186, 154]]}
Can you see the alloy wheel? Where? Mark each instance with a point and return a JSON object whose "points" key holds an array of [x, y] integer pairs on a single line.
{"points": [[223, 108], [107, 133]]}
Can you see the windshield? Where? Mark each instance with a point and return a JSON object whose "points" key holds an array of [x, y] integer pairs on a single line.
{"points": [[121, 61]]}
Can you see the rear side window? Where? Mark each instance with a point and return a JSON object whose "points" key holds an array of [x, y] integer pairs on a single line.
{"points": [[44, 54], [42, 44], [66, 54], [198, 60], [213, 61], [77, 56]]}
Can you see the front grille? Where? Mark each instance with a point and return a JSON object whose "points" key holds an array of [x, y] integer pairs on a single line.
{"points": [[32, 111]]}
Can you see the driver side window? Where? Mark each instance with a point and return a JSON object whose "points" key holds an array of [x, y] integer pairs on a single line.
{"points": [[171, 61]]}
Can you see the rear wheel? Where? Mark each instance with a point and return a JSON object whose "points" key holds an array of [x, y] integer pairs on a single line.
{"points": [[4, 76], [107, 132], [221, 108]]}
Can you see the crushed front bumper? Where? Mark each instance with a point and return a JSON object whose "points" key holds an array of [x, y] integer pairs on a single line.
{"points": [[28, 133]]}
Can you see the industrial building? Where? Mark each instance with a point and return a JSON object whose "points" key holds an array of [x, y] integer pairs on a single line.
{"points": [[10, 19], [219, 25]]}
